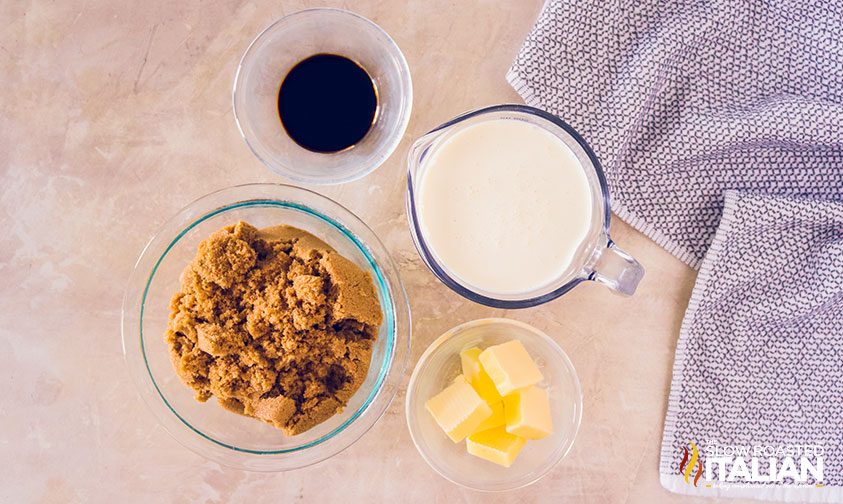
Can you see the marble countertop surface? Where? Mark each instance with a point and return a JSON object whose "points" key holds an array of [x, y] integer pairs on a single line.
{"points": [[114, 115]]}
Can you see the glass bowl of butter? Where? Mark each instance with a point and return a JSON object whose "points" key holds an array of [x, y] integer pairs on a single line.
{"points": [[493, 404]]}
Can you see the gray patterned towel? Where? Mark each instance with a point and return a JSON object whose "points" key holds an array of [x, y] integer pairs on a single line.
{"points": [[685, 102], [759, 362], [684, 99]]}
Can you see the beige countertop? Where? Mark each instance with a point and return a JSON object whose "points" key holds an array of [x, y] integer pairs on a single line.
{"points": [[113, 115]]}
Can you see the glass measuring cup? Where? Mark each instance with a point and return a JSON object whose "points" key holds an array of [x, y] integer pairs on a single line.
{"points": [[597, 258]]}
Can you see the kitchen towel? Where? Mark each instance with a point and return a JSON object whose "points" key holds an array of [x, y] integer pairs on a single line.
{"points": [[719, 125], [759, 362], [682, 100]]}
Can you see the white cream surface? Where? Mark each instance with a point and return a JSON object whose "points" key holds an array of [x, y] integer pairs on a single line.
{"points": [[504, 205]]}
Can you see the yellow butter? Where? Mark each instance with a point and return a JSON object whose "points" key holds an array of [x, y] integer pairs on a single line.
{"points": [[477, 377], [510, 367], [458, 409], [498, 419], [495, 445], [527, 413]]}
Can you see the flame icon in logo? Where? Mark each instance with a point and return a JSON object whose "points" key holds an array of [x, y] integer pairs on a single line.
{"points": [[686, 467]]}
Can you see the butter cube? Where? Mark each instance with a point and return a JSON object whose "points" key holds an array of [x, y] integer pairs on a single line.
{"points": [[527, 413], [458, 409], [498, 419], [477, 377], [510, 367], [495, 445]]}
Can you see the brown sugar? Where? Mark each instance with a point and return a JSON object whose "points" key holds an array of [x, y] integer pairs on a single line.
{"points": [[275, 324]]}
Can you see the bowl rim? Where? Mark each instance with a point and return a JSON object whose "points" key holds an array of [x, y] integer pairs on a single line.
{"points": [[393, 365], [390, 47], [438, 342]]}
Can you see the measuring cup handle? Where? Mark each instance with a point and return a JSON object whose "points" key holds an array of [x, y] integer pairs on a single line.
{"points": [[617, 270]]}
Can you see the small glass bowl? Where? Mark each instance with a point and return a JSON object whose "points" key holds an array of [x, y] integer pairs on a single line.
{"points": [[283, 45], [438, 367], [206, 428]]}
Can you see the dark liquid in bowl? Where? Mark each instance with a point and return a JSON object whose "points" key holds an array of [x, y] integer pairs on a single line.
{"points": [[327, 103]]}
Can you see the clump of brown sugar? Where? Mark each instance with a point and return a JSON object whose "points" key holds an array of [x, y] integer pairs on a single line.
{"points": [[275, 324]]}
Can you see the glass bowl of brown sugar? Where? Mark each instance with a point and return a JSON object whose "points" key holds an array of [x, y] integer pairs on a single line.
{"points": [[205, 427]]}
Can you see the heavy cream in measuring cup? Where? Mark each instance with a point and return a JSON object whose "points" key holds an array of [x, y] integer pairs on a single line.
{"points": [[504, 205]]}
